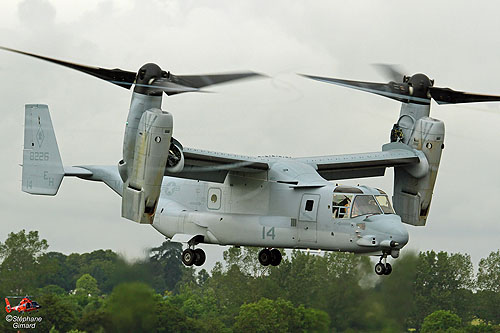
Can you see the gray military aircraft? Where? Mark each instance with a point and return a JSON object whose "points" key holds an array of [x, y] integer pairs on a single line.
{"points": [[196, 196]]}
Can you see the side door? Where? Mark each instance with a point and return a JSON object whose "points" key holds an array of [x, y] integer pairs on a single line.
{"points": [[308, 214]]}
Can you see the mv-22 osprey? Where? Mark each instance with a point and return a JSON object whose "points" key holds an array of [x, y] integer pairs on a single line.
{"points": [[195, 196]]}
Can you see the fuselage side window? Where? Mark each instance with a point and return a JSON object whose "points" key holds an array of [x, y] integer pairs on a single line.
{"points": [[341, 204], [385, 204], [365, 205], [309, 205]]}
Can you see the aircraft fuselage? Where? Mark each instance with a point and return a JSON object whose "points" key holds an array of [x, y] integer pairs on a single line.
{"points": [[248, 210]]}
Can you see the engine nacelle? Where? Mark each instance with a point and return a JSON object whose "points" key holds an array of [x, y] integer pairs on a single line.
{"points": [[413, 186], [175, 161], [143, 179]]}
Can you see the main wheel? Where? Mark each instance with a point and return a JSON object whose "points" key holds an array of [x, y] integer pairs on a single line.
{"points": [[188, 257], [265, 257], [388, 269], [275, 257], [199, 257], [380, 269]]}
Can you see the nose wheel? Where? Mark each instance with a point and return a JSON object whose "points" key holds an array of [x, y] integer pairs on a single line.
{"points": [[193, 257], [383, 268], [270, 257]]}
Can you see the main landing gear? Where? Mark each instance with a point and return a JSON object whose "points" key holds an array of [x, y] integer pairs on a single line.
{"points": [[383, 268], [270, 257], [193, 257]]}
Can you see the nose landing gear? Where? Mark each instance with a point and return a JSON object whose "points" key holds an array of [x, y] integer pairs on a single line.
{"points": [[270, 257], [193, 257], [383, 268]]}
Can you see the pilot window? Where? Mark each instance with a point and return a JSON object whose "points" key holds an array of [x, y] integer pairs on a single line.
{"points": [[340, 206], [365, 205], [309, 205], [385, 204]]}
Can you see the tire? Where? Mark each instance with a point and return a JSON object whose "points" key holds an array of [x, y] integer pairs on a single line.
{"points": [[188, 257], [380, 269], [275, 257], [265, 257], [388, 269], [199, 257]]}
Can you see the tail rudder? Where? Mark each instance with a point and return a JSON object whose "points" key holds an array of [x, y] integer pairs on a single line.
{"points": [[43, 170]]}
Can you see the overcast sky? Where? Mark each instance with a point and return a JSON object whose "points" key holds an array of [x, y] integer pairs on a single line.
{"points": [[454, 42]]}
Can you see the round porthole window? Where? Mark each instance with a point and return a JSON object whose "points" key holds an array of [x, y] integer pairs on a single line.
{"points": [[158, 139], [213, 198], [429, 145]]}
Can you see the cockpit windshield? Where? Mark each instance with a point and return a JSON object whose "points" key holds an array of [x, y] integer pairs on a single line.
{"points": [[385, 204], [340, 205], [364, 205]]}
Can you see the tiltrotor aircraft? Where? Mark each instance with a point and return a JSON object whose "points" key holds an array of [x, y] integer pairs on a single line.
{"points": [[195, 196]]}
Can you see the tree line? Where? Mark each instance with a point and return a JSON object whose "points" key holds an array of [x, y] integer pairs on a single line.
{"points": [[334, 292]]}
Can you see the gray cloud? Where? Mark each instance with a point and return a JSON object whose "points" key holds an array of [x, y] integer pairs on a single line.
{"points": [[36, 14]]}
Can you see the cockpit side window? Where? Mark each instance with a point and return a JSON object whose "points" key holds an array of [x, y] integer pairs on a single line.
{"points": [[385, 204], [364, 205], [340, 206]]}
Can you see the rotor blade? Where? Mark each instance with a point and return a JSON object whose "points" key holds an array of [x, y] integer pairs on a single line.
{"points": [[168, 87], [398, 91], [450, 96], [200, 81], [116, 76], [392, 72], [171, 88]]}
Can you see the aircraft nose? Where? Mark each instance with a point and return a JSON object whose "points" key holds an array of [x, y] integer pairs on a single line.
{"points": [[391, 228], [400, 234]]}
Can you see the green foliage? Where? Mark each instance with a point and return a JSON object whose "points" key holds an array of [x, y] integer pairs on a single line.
{"points": [[29, 244], [313, 320], [57, 312], [441, 321], [488, 276], [399, 288], [51, 289], [329, 283], [131, 308], [173, 320], [87, 285], [246, 258], [166, 265], [487, 306], [19, 255], [305, 293], [443, 282], [279, 316], [482, 328]]}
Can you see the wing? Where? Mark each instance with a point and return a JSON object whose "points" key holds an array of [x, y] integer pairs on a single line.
{"points": [[214, 166], [336, 167]]}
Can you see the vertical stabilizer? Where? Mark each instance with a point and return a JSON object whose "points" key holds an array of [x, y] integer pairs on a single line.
{"points": [[42, 166]]}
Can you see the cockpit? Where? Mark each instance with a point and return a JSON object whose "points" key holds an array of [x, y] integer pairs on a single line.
{"points": [[351, 202]]}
